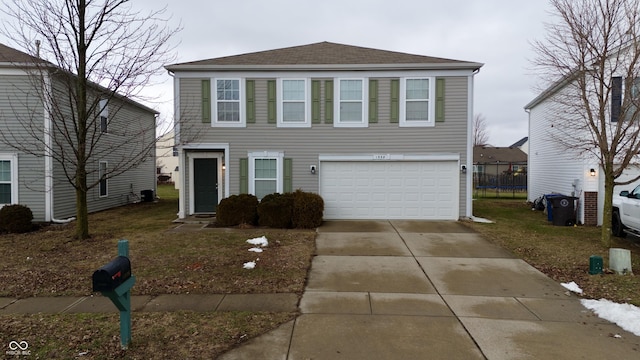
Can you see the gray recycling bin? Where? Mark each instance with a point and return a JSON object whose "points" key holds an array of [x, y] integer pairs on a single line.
{"points": [[564, 213]]}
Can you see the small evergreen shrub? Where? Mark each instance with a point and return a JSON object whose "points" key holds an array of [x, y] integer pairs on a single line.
{"points": [[16, 218], [307, 210], [237, 209], [276, 210]]}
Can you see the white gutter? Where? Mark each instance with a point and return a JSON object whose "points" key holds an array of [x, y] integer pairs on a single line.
{"points": [[48, 159], [311, 67]]}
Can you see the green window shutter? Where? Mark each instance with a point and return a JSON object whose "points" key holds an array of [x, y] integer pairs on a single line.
{"points": [[395, 100], [373, 101], [287, 179], [315, 101], [271, 101], [439, 99], [328, 102], [244, 176], [251, 101], [206, 101]]}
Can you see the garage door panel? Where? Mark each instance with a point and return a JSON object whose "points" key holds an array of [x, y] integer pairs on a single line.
{"points": [[390, 190]]}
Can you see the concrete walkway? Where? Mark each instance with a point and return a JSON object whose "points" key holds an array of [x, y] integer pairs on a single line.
{"points": [[432, 290]]}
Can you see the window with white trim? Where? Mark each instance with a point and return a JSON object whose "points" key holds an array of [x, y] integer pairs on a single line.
{"points": [[102, 171], [293, 103], [227, 100], [417, 102], [265, 173], [104, 116], [350, 105], [8, 179]]}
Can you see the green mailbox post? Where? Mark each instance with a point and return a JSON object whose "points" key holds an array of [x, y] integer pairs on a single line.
{"points": [[114, 280]]}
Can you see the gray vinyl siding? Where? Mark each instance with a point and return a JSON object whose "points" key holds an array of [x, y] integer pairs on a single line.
{"points": [[20, 110], [304, 145]]}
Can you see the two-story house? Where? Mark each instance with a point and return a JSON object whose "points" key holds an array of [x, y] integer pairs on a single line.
{"points": [[378, 134], [36, 178]]}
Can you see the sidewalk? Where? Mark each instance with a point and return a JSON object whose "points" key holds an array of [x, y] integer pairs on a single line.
{"points": [[193, 302]]}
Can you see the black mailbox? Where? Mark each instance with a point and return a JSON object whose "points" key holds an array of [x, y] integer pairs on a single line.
{"points": [[111, 275]]}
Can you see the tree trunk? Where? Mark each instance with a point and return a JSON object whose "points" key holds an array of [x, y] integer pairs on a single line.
{"points": [[82, 212], [608, 206]]}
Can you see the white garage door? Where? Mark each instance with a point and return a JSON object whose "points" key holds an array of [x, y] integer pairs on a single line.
{"points": [[390, 189]]}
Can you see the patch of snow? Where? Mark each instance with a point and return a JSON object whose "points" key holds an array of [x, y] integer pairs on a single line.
{"points": [[256, 249], [249, 265], [626, 316], [572, 286], [481, 220], [261, 241]]}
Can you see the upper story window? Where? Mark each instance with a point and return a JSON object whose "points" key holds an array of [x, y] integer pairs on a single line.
{"points": [[104, 116], [417, 102], [350, 105], [293, 103], [228, 103]]}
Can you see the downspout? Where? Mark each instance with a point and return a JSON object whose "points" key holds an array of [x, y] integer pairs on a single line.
{"points": [[176, 143], [469, 174], [48, 159]]}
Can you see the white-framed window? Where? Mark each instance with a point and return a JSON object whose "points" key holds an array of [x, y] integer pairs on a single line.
{"points": [[228, 103], [8, 179], [265, 173], [104, 183], [104, 116], [350, 105], [417, 102], [293, 103]]}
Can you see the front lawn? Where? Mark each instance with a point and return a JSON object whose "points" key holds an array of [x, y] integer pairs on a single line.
{"points": [[50, 262], [558, 251]]}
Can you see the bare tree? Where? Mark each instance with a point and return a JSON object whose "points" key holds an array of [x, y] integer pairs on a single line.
{"points": [[480, 134], [591, 58], [93, 53]]}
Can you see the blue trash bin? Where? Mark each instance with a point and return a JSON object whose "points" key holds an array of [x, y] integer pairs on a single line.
{"points": [[548, 205]]}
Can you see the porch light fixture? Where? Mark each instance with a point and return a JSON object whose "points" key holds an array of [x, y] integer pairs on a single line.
{"points": [[592, 172], [224, 167]]}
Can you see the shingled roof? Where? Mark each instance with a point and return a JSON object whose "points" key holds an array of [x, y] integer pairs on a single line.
{"points": [[324, 54], [10, 55], [490, 154]]}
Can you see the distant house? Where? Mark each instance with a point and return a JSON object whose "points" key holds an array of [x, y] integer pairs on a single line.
{"points": [[38, 181], [378, 134], [167, 159], [499, 168], [522, 144]]}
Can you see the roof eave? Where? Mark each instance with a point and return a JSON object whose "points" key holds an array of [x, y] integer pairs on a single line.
{"points": [[332, 67]]}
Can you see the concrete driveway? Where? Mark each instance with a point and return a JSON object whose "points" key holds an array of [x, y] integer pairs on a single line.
{"points": [[432, 290]]}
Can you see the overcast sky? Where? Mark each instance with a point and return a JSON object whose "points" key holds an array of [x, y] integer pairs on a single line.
{"points": [[494, 32]]}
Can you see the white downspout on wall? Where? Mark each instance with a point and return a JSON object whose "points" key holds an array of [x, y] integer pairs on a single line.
{"points": [[48, 159], [178, 145], [469, 174]]}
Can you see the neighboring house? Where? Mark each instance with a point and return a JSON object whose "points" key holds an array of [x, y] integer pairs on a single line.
{"points": [[555, 169], [503, 168], [167, 159], [522, 144], [39, 181], [378, 134]]}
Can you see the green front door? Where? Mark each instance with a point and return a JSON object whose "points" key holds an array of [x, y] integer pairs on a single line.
{"points": [[205, 185]]}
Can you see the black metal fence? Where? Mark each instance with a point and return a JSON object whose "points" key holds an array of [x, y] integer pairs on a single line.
{"points": [[500, 184]]}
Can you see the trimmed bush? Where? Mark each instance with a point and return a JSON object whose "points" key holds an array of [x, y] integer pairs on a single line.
{"points": [[276, 210], [307, 210], [16, 218], [237, 209]]}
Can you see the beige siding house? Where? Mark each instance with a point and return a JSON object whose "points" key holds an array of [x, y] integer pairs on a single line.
{"points": [[378, 134], [36, 179]]}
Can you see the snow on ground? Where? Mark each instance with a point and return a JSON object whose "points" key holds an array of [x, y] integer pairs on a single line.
{"points": [[626, 316], [261, 241]]}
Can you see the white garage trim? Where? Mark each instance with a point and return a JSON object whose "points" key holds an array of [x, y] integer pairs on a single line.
{"points": [[390, 186]]}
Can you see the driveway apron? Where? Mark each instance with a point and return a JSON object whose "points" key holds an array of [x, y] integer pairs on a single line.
{"points": [[432, 290]]}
